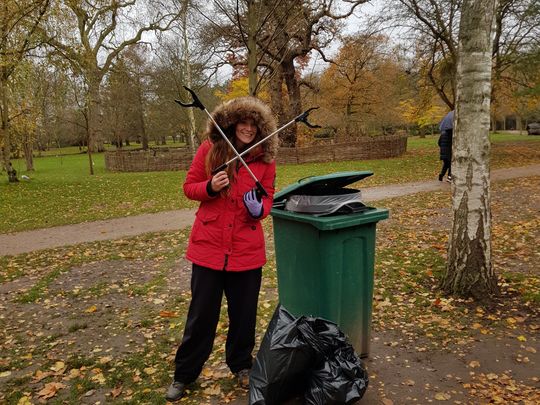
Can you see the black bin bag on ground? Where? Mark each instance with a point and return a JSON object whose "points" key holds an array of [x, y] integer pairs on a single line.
{"points": [[307, 357], [282, 367], [341, 379]]}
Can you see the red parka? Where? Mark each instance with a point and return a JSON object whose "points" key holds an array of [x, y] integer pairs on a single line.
{"points": [[224, 235]]}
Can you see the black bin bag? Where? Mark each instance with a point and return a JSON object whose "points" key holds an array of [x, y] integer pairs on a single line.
{"points": [[307, 357], [341, 379], [282, 367]]}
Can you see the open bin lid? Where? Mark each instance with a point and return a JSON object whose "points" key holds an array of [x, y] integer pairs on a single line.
{"points": [[317, 184]]}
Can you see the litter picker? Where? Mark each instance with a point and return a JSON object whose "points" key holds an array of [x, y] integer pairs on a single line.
{"points": [[300, 118], [197, 103]]}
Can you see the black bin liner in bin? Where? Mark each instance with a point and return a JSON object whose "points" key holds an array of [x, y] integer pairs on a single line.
{"points": [[307, 357]]}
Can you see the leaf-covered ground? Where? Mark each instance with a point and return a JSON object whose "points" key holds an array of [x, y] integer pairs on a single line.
{"points": [[100, 322]]}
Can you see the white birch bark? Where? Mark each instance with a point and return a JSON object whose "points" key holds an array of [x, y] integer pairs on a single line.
{"points": [[469, 271]]}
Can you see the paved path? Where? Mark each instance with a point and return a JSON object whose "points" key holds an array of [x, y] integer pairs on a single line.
{"points": [[27, 241]]}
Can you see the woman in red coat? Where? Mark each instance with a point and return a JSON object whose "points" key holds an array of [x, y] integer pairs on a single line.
{"points": [[226, 245]]}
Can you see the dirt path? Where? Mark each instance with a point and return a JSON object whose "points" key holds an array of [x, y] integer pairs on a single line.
{"points": [[28, 241]]}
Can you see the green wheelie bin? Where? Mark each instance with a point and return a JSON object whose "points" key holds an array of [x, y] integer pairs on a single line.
{"points": [[325, 252]]}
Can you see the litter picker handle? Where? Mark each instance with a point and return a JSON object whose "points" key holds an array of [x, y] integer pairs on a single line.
{"points": [[304, 118], [260, 189], [219, 168], [196, 102]]}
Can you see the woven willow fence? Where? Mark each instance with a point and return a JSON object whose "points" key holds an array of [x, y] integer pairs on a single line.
{"points": [[159, 159]]}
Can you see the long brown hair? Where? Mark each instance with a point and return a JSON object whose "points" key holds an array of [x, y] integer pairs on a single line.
{"points": [[221, 152]]}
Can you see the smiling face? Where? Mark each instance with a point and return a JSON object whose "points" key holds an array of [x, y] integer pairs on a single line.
{"points": [[246, 130]]}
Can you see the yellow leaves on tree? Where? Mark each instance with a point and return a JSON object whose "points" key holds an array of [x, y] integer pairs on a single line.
{"points": [[239, 87], [362, 90]]}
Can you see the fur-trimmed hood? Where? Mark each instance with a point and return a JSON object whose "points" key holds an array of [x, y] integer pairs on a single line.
{"points": [[229, 113]]}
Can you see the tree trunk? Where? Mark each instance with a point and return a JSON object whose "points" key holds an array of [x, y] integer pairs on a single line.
{"points": [[5, 130], [276, 96], [252, 47], [144, 135], [95, 138], [289, 135], [28, 154], [348, 117], [193, 142], [469, 271], [5, 135]]}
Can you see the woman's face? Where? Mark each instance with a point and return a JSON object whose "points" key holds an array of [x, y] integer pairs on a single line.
{"points": [[246, 130]]}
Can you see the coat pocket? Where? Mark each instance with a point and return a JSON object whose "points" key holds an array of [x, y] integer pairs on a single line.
{"points": [[206, 229]]}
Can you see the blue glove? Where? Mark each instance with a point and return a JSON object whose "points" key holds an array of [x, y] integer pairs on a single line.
{"points": [[253, 203]]}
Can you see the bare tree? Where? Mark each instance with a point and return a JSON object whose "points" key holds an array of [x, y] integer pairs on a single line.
{"points": [[433, 27], [469, 270], [271, 38], [101, 30]]}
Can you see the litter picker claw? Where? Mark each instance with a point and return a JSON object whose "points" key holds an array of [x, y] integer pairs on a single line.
{"points": [[300, 118], [197, 103]]}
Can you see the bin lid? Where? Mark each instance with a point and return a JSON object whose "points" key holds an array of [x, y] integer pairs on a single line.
{"points": [[310, 184], [331, 223]]}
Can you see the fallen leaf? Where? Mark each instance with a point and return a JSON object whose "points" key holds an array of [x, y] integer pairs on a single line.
{"points": [[105, 359], [167, 314], [474, 364], [89, 393], [116, 391], [150, 370], [50, 390], [91, 309], [24, 401], [442, 396], [522, 338], [59, 367], [40, 375], [5, 374], [215, 390], [99, 378], [408, 382]]}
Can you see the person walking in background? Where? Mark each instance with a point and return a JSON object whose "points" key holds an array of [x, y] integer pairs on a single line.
{"points": [[226, 245], [446, 128]]}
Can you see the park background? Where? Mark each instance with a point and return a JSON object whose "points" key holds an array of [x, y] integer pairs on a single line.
{"points": [[100, 321]]}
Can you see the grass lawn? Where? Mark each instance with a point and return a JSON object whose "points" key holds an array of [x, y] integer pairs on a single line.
{"points": [[60, 191]]}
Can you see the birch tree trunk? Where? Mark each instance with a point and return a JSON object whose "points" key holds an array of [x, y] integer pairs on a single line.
{"points": [[469, 271]]}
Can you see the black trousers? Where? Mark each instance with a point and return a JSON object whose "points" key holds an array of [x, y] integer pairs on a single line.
{"points": [[447, 165], [207, 287]]}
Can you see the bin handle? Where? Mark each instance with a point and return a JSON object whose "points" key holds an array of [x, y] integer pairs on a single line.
{"points": [[304, 178]]}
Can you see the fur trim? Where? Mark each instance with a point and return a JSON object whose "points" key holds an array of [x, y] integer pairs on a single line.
{"points": [[229, 113]]}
